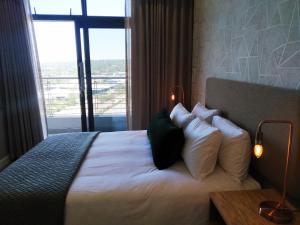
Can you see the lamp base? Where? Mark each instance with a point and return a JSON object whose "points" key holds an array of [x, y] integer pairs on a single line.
{"points": [[272, 211]]}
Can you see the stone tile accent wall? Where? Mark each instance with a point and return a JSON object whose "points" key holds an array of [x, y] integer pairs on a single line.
{"points": [[255, 41]]}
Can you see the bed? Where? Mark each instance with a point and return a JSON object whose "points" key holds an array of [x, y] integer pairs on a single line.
{"points": [[117, 183]]}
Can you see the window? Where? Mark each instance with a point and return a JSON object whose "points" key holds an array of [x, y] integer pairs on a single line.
{"points": [[57, 55], [82, 57], [107, 51], [106, 7], [56, 7]]}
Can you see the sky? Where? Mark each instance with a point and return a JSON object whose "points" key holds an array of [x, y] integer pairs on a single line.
{"points": [[94, 7], [56, 40]]}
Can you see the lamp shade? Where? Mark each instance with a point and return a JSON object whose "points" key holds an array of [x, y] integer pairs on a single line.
{"points": [[173, 96], [258, 150]]}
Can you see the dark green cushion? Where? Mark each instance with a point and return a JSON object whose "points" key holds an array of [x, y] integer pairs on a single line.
{"points": [[166, 140]]}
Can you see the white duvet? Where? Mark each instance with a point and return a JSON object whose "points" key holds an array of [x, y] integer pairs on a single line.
{"points": [[118, 184]]}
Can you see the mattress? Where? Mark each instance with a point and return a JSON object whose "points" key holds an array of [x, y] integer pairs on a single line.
{"points": [[119, 184]]}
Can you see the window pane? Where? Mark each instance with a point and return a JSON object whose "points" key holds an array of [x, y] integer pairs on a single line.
{"points": [[106, 7], [57, 54], [59, 7], [107, 50]]}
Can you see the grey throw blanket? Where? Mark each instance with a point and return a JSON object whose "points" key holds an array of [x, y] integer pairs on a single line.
{"points": [[34, 188]]}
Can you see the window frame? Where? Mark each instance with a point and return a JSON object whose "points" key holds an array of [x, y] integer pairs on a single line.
{"points": [[84, 22], [92, 21]]}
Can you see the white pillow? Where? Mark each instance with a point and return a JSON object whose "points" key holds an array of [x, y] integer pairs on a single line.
{"points": [[200, 152], [205, 113], [180, 116], [235, 150]]}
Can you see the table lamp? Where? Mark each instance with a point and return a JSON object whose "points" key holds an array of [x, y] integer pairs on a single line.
{"points": [[173, 93], [276, 212]]}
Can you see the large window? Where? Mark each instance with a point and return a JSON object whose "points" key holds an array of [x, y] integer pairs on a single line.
{"points": [[82, 58]]}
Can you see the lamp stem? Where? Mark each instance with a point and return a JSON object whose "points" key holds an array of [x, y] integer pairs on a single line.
{"points": [[285, 181], [287, 164]]}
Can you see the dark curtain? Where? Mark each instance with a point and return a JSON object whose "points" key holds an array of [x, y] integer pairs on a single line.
{"points": [[18, 77], [159, 39]]}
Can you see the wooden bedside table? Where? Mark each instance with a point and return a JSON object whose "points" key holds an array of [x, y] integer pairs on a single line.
{"points": [[241, 207]]}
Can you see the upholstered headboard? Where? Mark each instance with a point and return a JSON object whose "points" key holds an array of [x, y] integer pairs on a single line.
{"points": [[246, 104]]}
